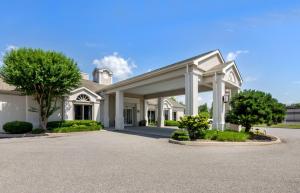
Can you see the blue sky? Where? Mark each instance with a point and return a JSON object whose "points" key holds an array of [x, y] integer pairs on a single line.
{"points": [[135, 36]]}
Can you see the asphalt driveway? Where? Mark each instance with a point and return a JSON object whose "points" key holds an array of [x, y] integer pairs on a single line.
{"points": [[121, 162]]}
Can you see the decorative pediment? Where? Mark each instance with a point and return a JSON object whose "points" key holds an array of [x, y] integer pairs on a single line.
{"points": [[232, 75], [83, 94]]}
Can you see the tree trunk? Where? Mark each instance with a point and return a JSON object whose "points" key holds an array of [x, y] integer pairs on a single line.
{"points": [[247, 128]]}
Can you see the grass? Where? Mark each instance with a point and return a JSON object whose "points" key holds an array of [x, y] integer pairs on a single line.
{"points": [[226, 136], [171, 123], [283, 125]]}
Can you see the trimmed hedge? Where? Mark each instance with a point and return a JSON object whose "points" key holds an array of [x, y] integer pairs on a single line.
{"points": [[171, 123], [226, 135], [180, 135], [68, 123], [74, 126], [17, 127]]}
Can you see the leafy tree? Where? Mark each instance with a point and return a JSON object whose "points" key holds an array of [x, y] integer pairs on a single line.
{"points": [[203, 108], [46, 75], [295, 105], [251, 107], [195, 125]]}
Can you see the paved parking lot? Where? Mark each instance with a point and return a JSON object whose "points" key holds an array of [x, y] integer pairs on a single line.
{"points": [[121, 162]]}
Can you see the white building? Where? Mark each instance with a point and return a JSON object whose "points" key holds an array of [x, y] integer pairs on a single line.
{"points": [[129, 101]]}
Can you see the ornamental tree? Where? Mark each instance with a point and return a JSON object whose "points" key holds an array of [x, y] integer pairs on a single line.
{"points": [[45, 75], [251, 107]]}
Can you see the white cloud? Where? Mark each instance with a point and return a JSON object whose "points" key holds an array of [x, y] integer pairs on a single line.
{"points": [[233, 55], [121, 68], [250, 79], [10, 47]]}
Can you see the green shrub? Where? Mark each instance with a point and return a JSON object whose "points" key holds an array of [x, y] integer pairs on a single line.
{"points": [[69, 123], [77, 128], [171, 123], [142, 123], [180, 135], [38, 131], [17, 127], [226, 135], [195, 125]]}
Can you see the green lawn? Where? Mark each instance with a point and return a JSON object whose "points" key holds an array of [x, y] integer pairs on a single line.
{"points": [[283, 125]]}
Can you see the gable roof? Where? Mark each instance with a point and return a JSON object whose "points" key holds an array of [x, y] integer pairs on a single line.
{"points": [[174, 103], [10, 89], [160, 70], [93, 86]]}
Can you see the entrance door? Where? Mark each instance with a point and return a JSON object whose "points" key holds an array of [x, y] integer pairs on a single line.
{"points": [[128, 116]]}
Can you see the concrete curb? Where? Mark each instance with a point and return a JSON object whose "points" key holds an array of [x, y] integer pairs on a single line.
{"points": [[220, 143], [7, 135]]}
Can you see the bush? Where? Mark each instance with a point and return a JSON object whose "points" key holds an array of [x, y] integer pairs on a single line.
{"points": [[195, 125], [69, 123], [38, 131], [171, 123], [17, 127], [142, 123], [180, 135], [76, 128], [226, 135]]}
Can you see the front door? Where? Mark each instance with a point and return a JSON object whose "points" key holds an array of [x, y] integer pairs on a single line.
{"points": [[128, 116]]}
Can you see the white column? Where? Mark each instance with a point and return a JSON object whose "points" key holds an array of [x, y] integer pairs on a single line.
{"points": [[191, 93], [106, 111], [146, 112], [119, 118], [218, 104], [160, 109], [170, 114]]}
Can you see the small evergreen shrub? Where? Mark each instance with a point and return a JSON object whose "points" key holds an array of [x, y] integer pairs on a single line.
{"points": [[17, 127], [180, 135], [171, 123]]}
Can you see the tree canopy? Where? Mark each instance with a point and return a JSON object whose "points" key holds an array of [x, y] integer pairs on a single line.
{"points": [[203, 108], [46, 75], [251, 107]]}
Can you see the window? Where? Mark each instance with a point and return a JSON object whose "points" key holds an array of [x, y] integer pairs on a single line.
{"points": [[83, 98], [166, 113], [83, 112], [175, 116]]}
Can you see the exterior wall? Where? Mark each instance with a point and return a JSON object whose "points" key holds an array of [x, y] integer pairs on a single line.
{"points": [[293, 115], [19, 108], [210, 63], [12, 108], [179, 111]]}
